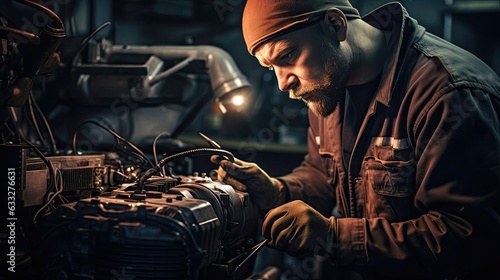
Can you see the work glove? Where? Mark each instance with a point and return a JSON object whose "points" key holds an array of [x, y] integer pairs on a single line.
{"points": [[297, 228], [265, 192]]}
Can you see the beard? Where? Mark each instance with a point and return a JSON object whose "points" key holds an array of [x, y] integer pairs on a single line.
{"points": [[324, 98]]}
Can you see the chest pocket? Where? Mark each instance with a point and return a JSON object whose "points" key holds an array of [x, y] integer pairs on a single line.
{"points": [[330, 167], [390, 169]]}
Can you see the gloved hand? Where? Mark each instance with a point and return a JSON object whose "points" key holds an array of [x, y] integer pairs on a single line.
{"points": [[296, 228], [265, 192]]}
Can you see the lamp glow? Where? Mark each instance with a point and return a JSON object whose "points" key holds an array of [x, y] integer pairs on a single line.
{"points": [[238, 100]]}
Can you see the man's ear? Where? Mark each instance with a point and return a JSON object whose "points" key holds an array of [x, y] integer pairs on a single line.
{"points": [[336, 21]]}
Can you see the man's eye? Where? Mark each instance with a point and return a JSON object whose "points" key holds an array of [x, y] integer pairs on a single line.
{"points": [[287, 57]]}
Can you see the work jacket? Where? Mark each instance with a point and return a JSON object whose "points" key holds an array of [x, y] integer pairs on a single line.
{"points": [[419, 198]]}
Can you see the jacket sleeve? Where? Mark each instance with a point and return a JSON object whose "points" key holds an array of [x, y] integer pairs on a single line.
{"points": [[309, 181]]}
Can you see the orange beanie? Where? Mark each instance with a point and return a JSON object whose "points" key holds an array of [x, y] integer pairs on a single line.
{"points": [[265, 19]]}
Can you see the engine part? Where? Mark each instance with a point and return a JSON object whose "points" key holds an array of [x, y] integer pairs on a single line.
{"points": [[39, 58], [197, 229]]}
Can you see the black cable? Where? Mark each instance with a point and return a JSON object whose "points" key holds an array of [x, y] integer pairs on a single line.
{"points": [[11, 133], [194, 152], [155, 156], [42, 8], [52, 172], [34, 121], [116, 135], [15, 121], [135, 155], [47, 126], [87, 40]]}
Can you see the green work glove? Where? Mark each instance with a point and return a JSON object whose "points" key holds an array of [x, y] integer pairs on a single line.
{"points": [[265, 192], [296, 228]]}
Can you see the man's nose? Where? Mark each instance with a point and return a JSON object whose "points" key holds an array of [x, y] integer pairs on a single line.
{"points": [[286, 80]]}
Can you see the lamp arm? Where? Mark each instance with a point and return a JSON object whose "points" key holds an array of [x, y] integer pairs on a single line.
{"points": [[225, 77]]}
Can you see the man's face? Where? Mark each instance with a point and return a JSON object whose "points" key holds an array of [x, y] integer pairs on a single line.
{"points": [[309, 66]]}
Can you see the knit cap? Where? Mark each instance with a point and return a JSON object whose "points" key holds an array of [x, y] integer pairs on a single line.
{"points": [[265, 19]]}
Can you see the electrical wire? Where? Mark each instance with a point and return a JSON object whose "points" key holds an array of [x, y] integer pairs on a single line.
{"points": [[51, 196], [194, 152], [117, 137], [15, 121], [34, 121], [47, 125], [53, 183], [11, 133], [44, 9], [155, 156], [87, 40]]}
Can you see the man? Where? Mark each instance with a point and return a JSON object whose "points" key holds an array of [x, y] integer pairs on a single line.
{"points": [[404, 143]]}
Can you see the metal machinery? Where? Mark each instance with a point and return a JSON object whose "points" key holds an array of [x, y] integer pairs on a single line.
{"points": [[90, 204]]}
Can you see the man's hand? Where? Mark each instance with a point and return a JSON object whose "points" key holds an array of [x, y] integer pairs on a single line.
{"points": [[296, 228], [265, 192]]}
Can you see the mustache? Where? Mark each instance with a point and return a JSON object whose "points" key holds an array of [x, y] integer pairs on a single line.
{"points": [[312, 92]]}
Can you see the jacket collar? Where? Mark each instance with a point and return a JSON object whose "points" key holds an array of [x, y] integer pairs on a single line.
{"points": [[404, 31]]}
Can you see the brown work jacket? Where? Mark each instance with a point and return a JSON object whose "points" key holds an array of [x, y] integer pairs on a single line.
{"points": [[419, 198]]}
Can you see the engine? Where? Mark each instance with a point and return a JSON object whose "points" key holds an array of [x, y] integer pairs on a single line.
{"points": [[85, 211], [187, 227]]}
